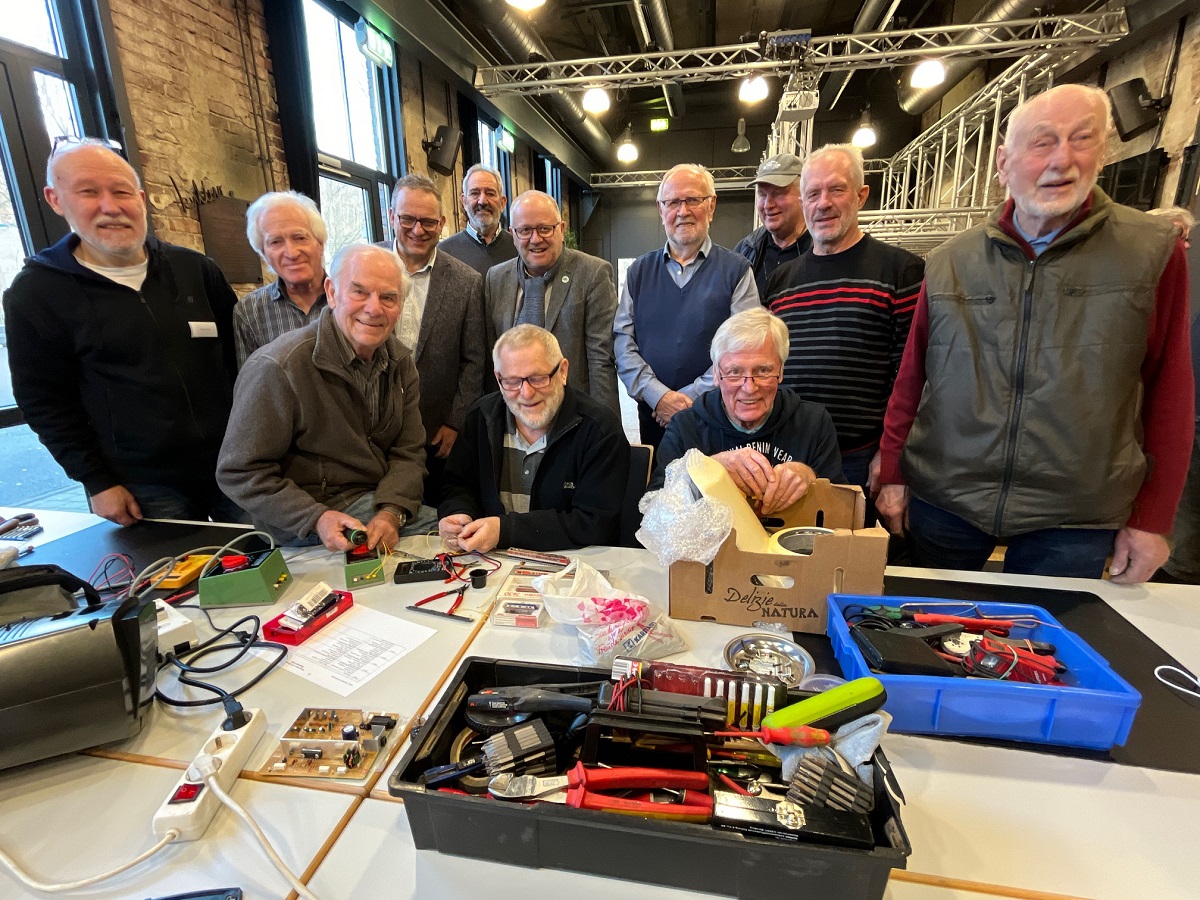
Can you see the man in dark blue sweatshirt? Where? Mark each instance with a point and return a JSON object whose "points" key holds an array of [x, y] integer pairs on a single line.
{"points": [[772, 443]]}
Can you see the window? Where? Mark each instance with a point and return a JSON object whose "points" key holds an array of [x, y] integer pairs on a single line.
{"points": [[553, 175], [351, 112], [493, 154]]}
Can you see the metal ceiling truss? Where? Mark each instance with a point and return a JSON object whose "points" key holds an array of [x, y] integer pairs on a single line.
{"points": [[782, 53]]}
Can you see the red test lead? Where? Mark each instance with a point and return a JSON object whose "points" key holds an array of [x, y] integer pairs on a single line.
{"points": [[802, 736]]}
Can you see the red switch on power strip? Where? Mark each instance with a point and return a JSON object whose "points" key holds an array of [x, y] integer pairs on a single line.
{"points": [[186, 793]]}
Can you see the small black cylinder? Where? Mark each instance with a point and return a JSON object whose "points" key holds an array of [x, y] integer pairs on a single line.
{"points": [[479, 578]]}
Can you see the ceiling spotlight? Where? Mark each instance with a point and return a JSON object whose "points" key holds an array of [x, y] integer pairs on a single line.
{"points": [[525, 5], [627, 150], [930, 73], [595, 101], [864, 137], [659, 124], [753, 90], [740, 143]]}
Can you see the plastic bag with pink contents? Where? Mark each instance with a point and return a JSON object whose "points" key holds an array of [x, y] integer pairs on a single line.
{"points": [[610, 622]]}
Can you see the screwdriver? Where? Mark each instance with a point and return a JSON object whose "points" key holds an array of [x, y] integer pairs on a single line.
{"points": [[800, 736]]}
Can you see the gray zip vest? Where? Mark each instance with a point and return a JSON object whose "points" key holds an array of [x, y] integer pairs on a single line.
{"points": [[1031, 413]]}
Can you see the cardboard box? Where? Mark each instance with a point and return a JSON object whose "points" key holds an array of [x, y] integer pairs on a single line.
{"points": [[728, 590]]}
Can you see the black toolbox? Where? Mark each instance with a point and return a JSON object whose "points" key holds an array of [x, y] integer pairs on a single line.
{"points": [[677, 854]]}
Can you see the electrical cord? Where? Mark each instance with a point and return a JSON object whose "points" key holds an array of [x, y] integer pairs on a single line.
{"points": [[244, 642], [50, 887], [206, 768], [1182, 675]]}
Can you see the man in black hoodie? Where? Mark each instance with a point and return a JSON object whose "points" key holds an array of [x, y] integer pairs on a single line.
{"points": [[772, 443], [121, 349]]}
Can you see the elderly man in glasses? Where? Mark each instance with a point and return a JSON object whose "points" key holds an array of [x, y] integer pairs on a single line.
{"points": [[673, 301], [570, 294], [539, 465], [442, 321], [772, 443]]}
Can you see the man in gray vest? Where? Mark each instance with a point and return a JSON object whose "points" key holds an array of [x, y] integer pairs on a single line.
{"points": [[570, 294], [674, 300], [1045, 395]]}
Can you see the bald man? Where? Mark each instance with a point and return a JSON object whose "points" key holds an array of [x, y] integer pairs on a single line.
{"points": [[121, 348], [1045, 393], [570, 294]]}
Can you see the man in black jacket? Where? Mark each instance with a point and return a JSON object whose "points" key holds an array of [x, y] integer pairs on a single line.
{"points": [[537, 465], [121, 349]]}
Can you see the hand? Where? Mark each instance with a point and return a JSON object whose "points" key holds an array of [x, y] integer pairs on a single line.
{"points": [[1137, 555], [331, 528], [117, 505], [450, 527], [873, 476], [384, 526], [480, 535], [789, 482], [892, 506], [671, 403], [444, 441], [749, 469]]}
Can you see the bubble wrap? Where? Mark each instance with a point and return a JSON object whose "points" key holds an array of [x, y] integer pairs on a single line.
{"points": [[677, 523]]}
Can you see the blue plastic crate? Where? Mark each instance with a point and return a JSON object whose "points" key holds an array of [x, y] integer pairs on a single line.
{"points": [[1095, 710]]}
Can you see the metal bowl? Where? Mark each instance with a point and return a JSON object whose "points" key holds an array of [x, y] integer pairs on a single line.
{"points": [[771, 655]]}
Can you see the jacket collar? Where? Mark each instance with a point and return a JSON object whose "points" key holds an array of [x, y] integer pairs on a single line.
{"points": [[1090, 216], [329, 352]]}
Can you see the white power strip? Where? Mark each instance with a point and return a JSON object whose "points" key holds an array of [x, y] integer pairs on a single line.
{"points": [[176, 632], [191, 805]]}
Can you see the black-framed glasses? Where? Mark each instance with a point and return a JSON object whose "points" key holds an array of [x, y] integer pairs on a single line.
{"points": [[525, 232], [537, 382], [70, 140], [689, 202], [408, 223], [761, 377]]}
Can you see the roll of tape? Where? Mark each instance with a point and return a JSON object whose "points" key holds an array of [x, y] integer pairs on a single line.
{"points": [[798, 541]]}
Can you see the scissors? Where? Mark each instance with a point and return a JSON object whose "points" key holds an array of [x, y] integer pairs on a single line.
{"points": [[583, 788]]}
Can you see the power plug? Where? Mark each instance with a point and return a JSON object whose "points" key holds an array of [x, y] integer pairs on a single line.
{"points": [[190, 806]]}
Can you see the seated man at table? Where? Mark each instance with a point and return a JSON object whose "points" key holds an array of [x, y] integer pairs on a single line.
{"points": [[772, 443], [537, 465], [326, 426]]}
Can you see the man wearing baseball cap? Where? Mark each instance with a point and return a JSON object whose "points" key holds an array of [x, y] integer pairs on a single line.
{"points": [[783, 235]]}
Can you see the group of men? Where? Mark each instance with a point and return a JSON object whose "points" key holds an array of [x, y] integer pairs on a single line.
{"points": [[1031, 383]]}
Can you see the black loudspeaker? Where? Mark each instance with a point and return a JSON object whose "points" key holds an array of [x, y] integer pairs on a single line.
{"points": [[443, 149], [1134, 110]]}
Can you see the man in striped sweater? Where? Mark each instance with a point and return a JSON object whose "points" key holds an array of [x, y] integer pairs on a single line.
{"points": [[848, 304]]}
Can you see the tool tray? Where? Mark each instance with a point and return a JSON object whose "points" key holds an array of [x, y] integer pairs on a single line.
{"points": [[676, 854]]}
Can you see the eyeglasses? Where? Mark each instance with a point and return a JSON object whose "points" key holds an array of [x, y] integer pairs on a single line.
{"points": [[761, 377], [689, 202], [68, 140], [525, 232], [537, 382], [408, 223]]}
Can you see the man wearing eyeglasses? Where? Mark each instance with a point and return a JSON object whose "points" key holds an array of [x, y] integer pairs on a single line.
{"points": [[783, 235], [483, 243], [121, 348], [539, 465], [772, 443], [673, 301], [569, 293], [326, 435], [442, 321]]}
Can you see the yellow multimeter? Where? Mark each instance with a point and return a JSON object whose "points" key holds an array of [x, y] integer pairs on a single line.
{"points": [[184, 572]]}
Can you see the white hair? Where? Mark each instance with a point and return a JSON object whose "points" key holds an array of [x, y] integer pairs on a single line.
{"points": [[748, 330], [274, 200], [1098, 95], [1178, 216], [852, 153], [526, 336], [699, 171], [351, 252], [66, 148], [480, 167]]}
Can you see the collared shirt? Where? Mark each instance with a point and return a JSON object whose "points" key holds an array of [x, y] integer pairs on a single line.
{"points": [[366, 375], [470, 229], [408, 328], [681, 273], [266, 313], [1039, 244], [519, 467], [549, 277]]}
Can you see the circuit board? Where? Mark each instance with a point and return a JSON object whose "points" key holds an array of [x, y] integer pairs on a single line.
{"points": [[331, 743]]}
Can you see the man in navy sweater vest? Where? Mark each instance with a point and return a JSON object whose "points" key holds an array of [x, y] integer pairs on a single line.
{"points": [[673, 302]]}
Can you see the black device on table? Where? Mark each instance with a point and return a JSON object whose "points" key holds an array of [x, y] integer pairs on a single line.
{"points": [[420, 570]]}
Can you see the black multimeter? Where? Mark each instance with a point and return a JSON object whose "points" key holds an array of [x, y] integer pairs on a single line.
{"points": [[419, 570]]}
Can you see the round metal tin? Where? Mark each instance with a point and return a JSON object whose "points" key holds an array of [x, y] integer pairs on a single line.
{"points": [[771, 655]]}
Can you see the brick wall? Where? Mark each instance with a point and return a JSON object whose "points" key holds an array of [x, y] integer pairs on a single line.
{"points": [[420, 124], [203, 103]]}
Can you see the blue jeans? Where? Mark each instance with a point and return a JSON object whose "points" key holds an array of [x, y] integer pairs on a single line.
{"points": [[363, 509], [855, 466], [193, 504], [941, 540]]}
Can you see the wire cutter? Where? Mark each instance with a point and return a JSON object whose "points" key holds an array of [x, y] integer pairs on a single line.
{"points": [[583, 788], [449, 614]]}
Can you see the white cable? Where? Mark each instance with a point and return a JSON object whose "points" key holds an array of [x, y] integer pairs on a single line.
{"points": [[1186, 676], [54, 888], [245, 816]]}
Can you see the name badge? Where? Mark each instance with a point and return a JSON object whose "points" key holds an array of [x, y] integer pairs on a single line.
{"points": [[203, 329]]}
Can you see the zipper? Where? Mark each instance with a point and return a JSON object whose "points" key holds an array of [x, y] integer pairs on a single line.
{"points": [[1018, 401]]}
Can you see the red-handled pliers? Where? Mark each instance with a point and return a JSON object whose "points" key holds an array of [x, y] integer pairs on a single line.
{"points": [[460, 591], [581, 788]]}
